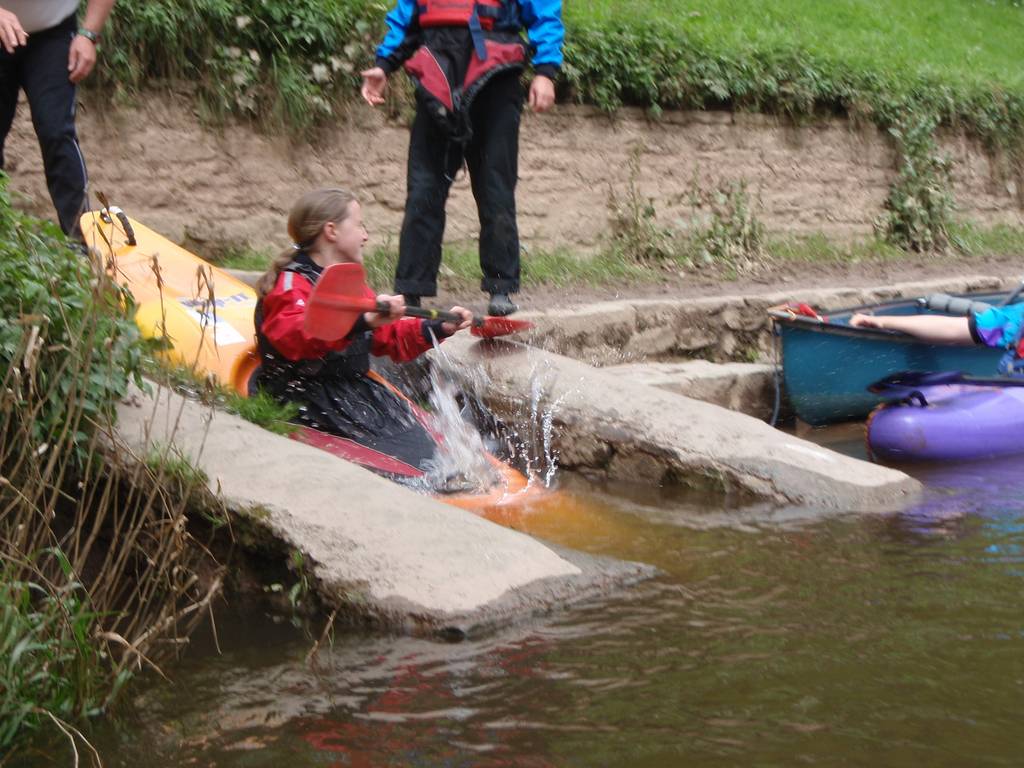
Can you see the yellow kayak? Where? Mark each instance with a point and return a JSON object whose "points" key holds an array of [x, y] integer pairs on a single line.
{"points": [[205, 314]]}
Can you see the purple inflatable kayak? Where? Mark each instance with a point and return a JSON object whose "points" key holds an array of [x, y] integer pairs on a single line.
{"points": [[947, 417]]}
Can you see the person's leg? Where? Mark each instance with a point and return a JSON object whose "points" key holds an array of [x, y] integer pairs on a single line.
{"points": [[9, 87], [51, 97], [492, 157], [428, 179]]}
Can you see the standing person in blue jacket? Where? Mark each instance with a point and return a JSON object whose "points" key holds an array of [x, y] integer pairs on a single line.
{"points": [[466, 57]]}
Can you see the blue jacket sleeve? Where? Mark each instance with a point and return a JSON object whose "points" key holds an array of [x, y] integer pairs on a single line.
{"points": [[544, 28], [402, 24]]}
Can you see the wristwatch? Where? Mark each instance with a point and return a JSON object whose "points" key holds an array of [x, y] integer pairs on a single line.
{"points": [[89, 35]]}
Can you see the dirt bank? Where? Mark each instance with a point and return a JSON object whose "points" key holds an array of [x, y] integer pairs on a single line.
{"points": [[159, 163]]}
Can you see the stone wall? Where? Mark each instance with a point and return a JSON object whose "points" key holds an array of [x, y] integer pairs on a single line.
{"points": [[160, 164]]}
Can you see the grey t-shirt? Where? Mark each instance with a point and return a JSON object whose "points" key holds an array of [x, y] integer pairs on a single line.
{"points": [[37, 15]]}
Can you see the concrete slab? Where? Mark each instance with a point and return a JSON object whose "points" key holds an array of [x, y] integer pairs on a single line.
{"points": [[376, 549], [622, 429], [744, 387]]}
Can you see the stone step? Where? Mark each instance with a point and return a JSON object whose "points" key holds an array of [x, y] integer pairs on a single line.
{"points": [[611, 426], [745, 387], [377, 552]]}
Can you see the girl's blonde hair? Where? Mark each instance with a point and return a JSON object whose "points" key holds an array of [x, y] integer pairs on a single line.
{"points": [[305, 222]]}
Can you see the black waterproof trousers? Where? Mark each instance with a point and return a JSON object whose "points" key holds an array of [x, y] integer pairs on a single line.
{"points": [[492, 157], [41, 68]]}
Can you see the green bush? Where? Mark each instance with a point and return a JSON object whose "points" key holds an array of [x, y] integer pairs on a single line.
{"points": [[292, 63], [57, 321], [919, 208], [48, 660], [282, 63]]}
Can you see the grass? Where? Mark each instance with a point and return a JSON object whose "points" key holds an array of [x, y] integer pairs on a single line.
{"points": [[460, 266], [561, 267], [289, 65], [970, 240], [972, 44], [239, 257], [881, 61], [260, 409]]}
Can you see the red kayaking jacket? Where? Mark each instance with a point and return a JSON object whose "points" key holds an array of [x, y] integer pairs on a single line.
{"points": [[450, 13], [284, 311]]}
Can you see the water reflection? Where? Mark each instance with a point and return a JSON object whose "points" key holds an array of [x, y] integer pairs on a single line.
{"points": [[892, 640]]}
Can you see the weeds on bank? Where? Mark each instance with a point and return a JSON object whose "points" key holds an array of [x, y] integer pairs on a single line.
{"points": [[726, 231], [294, 63], [259, 408], [919, 208], [284, 64], [98, 573], [722, 231]]}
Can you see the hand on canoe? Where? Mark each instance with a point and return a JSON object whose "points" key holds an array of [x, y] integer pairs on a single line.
{"points": [[860, 320]]}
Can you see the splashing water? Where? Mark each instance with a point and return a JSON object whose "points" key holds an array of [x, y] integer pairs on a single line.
{"points": [[461, 462], [537, 434], [526, 440]]}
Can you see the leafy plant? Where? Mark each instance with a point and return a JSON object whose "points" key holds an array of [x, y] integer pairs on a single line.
{"points": [[291, 64], [726, 230], [635, 230], [283, 64], [49, 297], [47, 660], [918, 210]]}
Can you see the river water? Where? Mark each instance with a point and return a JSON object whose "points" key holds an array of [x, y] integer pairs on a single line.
{"points": [[771, 638]]}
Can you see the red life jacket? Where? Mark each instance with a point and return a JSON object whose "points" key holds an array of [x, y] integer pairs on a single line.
{"points": [[494, 50], [459, 13]]}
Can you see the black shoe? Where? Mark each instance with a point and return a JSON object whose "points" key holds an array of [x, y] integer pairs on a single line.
{"points": [[412, 301], [501, 305]]}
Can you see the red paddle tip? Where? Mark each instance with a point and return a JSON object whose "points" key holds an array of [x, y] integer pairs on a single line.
{"points": [[490, 327]]}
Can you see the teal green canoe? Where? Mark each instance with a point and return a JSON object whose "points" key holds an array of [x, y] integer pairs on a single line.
{"points": [[827, 366]]}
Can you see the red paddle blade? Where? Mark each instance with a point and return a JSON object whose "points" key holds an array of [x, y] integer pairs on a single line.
{"points": [[337, 302], [491, 327]]}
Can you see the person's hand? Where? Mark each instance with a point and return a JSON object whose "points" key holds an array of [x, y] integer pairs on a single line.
{"points": [[860, 320], [375, 82], [542, 93], [396, 308], [12, 34], [467, 320], [81, 58]]}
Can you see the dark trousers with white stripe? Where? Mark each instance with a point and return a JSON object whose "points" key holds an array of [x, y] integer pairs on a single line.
{"points": [[40, 68]]}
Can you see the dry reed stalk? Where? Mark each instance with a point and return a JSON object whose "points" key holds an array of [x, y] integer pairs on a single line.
{"points": [[91, 517]]}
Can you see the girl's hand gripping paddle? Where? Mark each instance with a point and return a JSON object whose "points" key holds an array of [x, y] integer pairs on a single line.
{"points": [[338, 301]]}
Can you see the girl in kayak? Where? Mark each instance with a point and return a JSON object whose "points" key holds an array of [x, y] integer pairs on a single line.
{"points": [[331, 382]]}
